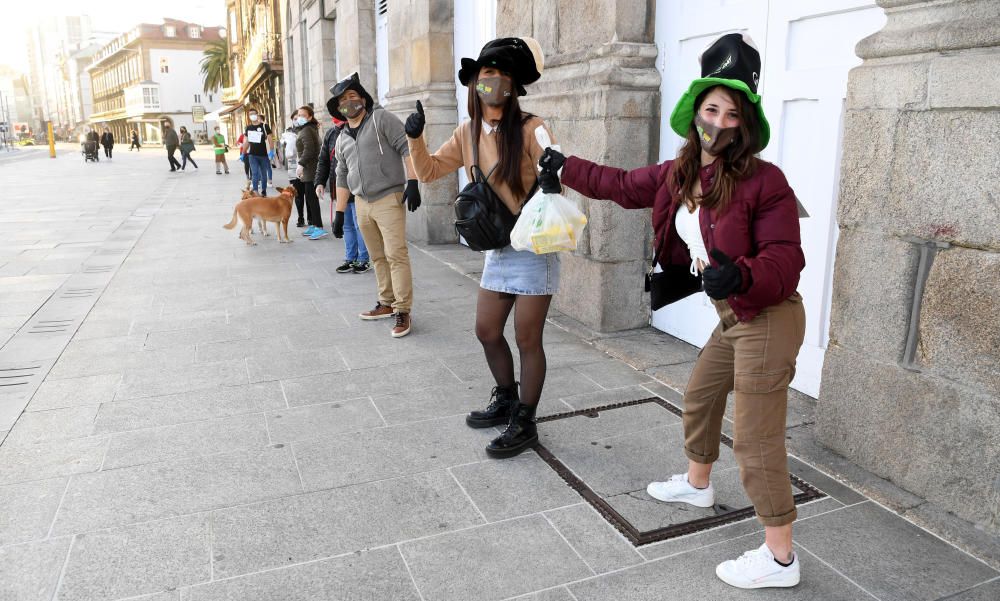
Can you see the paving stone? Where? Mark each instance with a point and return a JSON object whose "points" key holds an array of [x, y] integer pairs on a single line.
{"points": [[366, 382], [607, 424], [279, 365], [55, 424], [51, 459], [598, 543], [985, 592], [514, 487], [565, 382], [375, 575], [193, 406], [74, 364], [332, 522], [323, 421], [145, 383], [390, 452], [181, 321], [453, 398], [268, 312], [74, 392], [240, 349], [150, 492], [30, 572], [691, 577], [103, 328], [162, 340], [555, 594], [481, 563], [185, 440], [28, 509], [144, 558], [612, 373], [897, 561]]}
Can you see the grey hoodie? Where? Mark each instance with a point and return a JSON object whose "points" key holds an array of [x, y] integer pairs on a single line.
{"points": [[371, 167]]}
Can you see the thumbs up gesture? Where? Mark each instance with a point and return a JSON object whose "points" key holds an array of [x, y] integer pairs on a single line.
{"points": [[415, 122], [723, 280]]}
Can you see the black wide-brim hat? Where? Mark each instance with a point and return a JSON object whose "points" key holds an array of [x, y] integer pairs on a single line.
{"points": [[521, 57], [731, 61], [353, 82]]}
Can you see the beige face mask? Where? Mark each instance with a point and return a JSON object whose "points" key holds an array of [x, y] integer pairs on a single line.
{"points": [[714, 139]]}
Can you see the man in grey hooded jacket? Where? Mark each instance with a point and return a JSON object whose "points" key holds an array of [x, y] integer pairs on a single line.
{"points": [[373, 163]]}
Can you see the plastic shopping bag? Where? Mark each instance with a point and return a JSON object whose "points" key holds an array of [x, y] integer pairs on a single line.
{"points": [[548, 222]]}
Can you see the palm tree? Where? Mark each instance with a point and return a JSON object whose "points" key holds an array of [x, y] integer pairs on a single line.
{"points": [[215, 66]]}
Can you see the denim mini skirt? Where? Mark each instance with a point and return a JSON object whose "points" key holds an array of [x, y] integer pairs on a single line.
{"points": [[520, 272]]}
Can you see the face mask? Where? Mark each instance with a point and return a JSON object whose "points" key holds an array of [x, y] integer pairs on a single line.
{"points": [[300, 121], [494, 90], [351, 108], [254, 118], [714, 139]]}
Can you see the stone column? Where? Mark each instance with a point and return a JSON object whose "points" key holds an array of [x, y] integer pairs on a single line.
{"points": [[355, 35], [911, 383], [421, 67], [599, 93]]}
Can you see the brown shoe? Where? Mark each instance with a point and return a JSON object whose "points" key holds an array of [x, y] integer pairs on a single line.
{"points": [[379, 312], [402, 327]]}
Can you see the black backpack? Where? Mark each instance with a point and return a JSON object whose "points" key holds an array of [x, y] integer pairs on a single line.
{"points": [[481, 218]]}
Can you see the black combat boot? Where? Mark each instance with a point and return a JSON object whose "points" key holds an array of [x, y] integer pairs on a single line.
{"points": [[520, 434], [497, 413]]}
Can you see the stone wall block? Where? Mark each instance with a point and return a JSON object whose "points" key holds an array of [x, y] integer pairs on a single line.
{"points": [[944, 181], [969, 80], [872, 314], [885, 85], [960, 318], [578, 33], [949, 465], [514, 18], [605, 296], [618, 234], [865, 179], [545, 29]]}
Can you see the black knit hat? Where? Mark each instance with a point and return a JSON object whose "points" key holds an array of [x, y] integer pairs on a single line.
{"points": [[521, 57], [341, 87]]}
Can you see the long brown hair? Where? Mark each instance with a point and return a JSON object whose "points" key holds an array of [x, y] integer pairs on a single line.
{"points": [[510, 138], [739, 160]]}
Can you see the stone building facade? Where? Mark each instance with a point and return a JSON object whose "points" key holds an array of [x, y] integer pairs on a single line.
{"points": [[914, 283]]}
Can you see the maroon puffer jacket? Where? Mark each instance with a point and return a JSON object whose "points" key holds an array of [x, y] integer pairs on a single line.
{"points": [[759, 230]]}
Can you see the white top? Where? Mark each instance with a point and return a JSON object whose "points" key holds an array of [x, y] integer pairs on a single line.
{"points": [[288, 145], [689, 229]]}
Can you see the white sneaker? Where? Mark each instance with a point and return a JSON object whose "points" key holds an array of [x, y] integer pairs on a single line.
{"points": [[678, 490], [757, 569]]}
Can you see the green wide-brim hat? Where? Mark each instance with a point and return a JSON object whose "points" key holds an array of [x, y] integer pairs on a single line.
{"points": [[683, 115]]}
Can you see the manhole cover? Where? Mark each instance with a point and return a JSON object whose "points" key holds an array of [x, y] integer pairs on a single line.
{"points": [[609, 454]]}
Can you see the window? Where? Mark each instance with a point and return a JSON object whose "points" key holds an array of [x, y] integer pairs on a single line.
{"points": [[197, 98], [194, 32], [170, 31], [210, 98], [150, 98], [164, 66]]}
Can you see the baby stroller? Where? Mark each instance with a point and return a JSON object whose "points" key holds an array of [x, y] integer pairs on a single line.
{"points": [[90, 151]]}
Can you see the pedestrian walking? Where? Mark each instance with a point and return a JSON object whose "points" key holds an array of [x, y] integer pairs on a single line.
{"points": [[259, 149], [220, 147], [721, 212], [135, 141], [356, 258], [187, 147], [499, 139], [171, 141], [240, 143], [107, 141], [375, 139], [288, 138], [307, 152]]}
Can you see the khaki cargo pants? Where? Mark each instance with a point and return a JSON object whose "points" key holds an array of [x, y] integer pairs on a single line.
{"points": [[383, 226], [757, 360]]}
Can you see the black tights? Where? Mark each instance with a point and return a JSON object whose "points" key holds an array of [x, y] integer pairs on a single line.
{"points": [[529, 321]]}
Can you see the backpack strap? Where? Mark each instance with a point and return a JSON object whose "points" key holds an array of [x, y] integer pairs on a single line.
{"points": [[475, 161]]}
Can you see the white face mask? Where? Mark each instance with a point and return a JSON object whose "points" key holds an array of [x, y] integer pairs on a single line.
{"points": [[254, 118], [300, 121]]}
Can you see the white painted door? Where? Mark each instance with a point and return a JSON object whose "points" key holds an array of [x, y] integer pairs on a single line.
{"points": [[475, 24], [382, 48], [807, 47]]}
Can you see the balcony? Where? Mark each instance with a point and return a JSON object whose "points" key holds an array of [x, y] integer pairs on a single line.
{"points": [[143, 98], [262, 48]]}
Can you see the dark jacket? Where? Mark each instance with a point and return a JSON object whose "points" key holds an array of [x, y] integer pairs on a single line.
{"points": [[307, 150], [170, 138], [759, 230], [107, 139], [187, 144], [326, 168]]}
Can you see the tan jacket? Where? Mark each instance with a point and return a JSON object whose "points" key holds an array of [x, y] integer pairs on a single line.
{"points": [[457, 152]]}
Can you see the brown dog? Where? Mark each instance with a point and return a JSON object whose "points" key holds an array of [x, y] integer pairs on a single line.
{"points": [[266, 208]]}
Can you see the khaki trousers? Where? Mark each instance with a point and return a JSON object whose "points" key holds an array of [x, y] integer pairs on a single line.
{"points": [[383, 226], [757, 360]]}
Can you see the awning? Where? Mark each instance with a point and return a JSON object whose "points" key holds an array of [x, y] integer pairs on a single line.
{"points": [[224, 112], [213, 116]]}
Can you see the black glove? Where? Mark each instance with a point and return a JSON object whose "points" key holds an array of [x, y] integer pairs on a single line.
{"points": [[411, 196], [548, 179], [338, 225], [415, 123], [723, 280]]}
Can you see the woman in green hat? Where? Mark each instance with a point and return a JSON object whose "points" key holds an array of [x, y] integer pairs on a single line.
{"points": [[723, 215]]}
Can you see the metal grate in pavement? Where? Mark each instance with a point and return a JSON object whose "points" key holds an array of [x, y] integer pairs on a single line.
{"points": [[17, 376], [724, 513]]}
